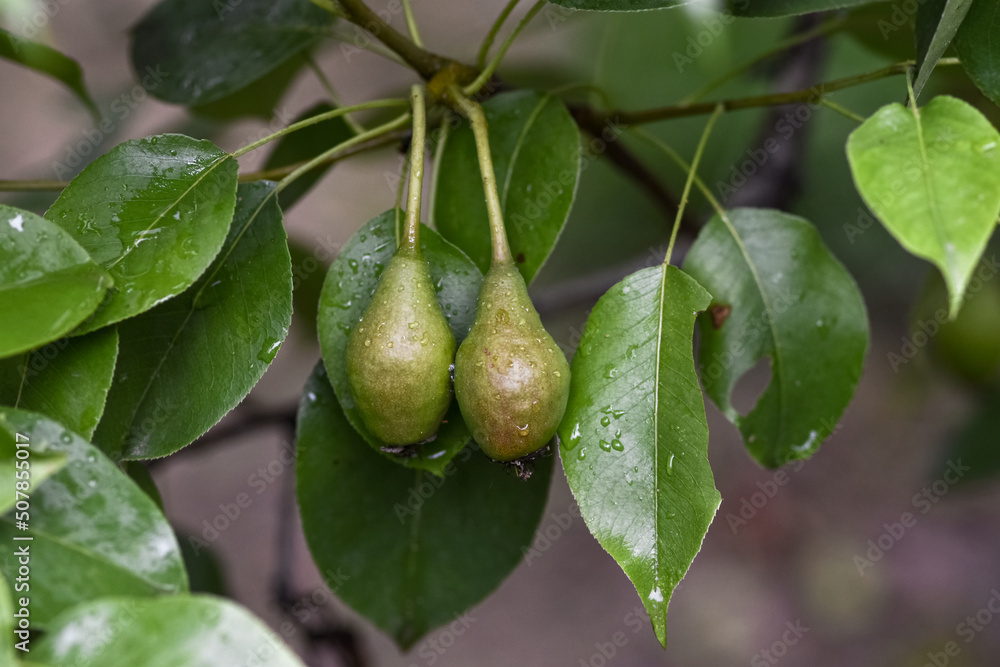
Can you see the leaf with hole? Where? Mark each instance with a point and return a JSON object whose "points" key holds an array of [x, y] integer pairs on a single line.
{"points": [[203, 51], [154, 212], [193, 631], [95, 533], [48, 283], [778, 293], [932, 177], [407, 550], [66, 380], [189, 361], [634, 440], [535, 146], [347, 292]]}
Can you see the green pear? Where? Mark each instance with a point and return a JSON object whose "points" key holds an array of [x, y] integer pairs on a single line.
{"points": [[400, 353], [511, 379]]}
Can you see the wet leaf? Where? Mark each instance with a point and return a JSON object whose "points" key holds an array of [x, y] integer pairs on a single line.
{"points": [[407, 550], [95, 532], [154, 212], [189, 361], [66, 380], [932, 177], [48, 283], [634, 440], [792, 302]]}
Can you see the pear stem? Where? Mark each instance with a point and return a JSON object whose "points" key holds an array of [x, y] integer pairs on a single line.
{"points": [[498, 233], [411, 238]]}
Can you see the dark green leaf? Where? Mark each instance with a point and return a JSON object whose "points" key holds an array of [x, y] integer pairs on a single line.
{"points": [[775, 8], [933, 179], [95, 532], [883, 29], [67, 380], [48, 61], [305, 145], [778, 293], [208, 50], [973, 454], [309, 269], [258, 100], [937, 23], [203, 568], [976, 45], [634, 437], [154, 212], [407, 550], [536, 156], [189, 361], [48, 283], [193, 631], [346, 294]]}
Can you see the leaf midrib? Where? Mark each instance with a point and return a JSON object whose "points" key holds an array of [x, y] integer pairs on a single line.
{"points": [[204, 283]]}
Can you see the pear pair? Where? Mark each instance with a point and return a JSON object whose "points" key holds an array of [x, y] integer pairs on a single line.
{"points": [[511, 379]]}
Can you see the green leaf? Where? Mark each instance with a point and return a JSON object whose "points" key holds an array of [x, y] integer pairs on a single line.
{"points": [[47, 60], [191, 360], [309, 269], [258, 100], [932, 177], [48, 283], [973, 455], [634, 437], [40, 467], [208, 50], [305, 145], [193, 631], [347, 291], [154, 212], [976, 45], [937, 23], [95, 532], [67, 380], [404, 549], [7, 624], [776, 8], [536, 156], [778, 293]]}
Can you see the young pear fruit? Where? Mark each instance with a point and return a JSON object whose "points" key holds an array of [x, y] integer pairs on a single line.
{"points": [[511, 379], [400, 353]]}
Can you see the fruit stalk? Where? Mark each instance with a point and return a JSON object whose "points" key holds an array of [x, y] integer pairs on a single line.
{"points": [[498, 234], [411, 237]]}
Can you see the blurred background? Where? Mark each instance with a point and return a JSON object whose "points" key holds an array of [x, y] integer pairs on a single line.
{"points": [[802, 567]]}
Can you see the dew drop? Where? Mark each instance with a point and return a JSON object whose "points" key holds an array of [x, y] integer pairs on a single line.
{"points": [[605, 421], [605, 445]]}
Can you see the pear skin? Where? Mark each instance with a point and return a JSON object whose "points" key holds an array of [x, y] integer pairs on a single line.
{"points": [[511, 379], [400, 353]]}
